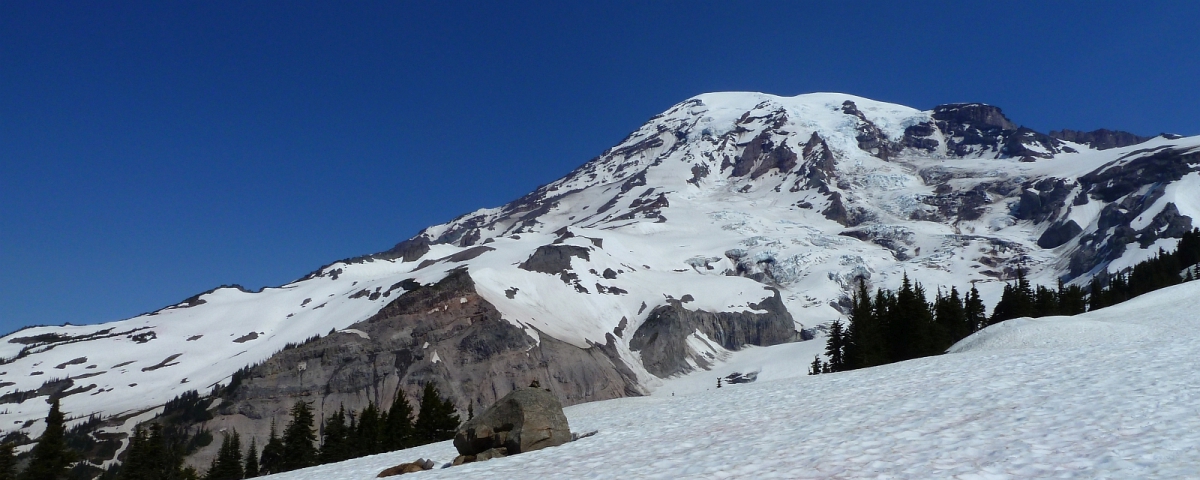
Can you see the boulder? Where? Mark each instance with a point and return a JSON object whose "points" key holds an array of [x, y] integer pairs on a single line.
{"points": [[525, 420], [420, 465]]}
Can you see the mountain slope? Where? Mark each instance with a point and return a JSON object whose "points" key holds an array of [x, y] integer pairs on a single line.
{"points": [[1106, 394], [732, 219]]}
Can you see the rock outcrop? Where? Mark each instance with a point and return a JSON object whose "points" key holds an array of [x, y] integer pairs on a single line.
{"points": [[662, 339], [525, 420]]}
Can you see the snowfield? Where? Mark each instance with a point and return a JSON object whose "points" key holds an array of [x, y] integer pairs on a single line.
{"points": [[1108, 394]]}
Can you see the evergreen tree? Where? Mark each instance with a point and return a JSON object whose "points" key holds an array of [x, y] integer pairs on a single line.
{"points": [[299, 438], [227, 465], [398, 433], [1045, 302], [910, 324], [271, 460], [1015, 302], [815, 368], [368, 436], [8, 461], [151, 457], [1070, 300], [135, 456], [335, 446], [1096, 295], [976, 312], [951, 318], [250, 467], [835, 347], [436, 419], [50, 459]]}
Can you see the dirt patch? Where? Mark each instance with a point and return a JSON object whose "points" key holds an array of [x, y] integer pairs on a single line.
{"points": [[165, 363]]}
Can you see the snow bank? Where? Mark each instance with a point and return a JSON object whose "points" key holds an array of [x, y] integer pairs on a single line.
{"points": [[1108, 394]]}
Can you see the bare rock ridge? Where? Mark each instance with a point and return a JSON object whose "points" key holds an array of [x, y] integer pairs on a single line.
{"points": [[428, 335], [662, 338]]}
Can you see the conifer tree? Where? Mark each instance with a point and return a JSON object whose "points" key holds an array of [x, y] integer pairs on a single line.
{"points": [[835, 347], [951, 318], [250, 467], [398, 433], [271, 460], [368, 436], [976, 312], [1045, 302], [1070, 300], [436, 419], [8, 461], [1015, 302], [910, 324], [815, 367], [299, 438], [50, 459], [227, 465], [335, 446]]}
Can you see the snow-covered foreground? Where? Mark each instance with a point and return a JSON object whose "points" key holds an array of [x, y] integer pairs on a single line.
{"points": [[1110, 394]]}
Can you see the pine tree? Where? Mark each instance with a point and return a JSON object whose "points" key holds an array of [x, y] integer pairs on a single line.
{"points": [[835, 347], [50, 459], [368, 437], [911, 323], [436, 419], [228, 463], [976, 312], [335, 446], [1070, 300], [299, 438], [815, 368], [134, 466], [8, 461], [1045, 302], [398, 433], [271, 460], [951, 318], [250, 467], [1017, 300]]}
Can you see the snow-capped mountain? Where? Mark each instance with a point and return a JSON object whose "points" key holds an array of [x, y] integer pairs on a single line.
{"points": [[731, 219]]}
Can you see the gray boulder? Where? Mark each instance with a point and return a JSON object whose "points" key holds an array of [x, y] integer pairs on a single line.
{"points": [[525, 420]]}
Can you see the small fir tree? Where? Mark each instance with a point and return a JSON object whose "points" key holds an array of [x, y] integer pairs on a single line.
{"points": [[50, 459], [335, 446], [250, 467], [299, 439], [398, 433], [271, 460], [436, 419]]}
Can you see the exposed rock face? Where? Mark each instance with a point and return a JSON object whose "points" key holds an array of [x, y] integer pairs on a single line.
{"points": [[525, 420], [443, 333], [1145, 171], [553, 259], [662, 339], [961, 116], [1059, 234], [870, 138], [1101, 139]]}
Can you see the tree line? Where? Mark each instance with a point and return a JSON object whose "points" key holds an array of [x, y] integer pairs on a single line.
{"points": [[897, 325], [157, 452]]}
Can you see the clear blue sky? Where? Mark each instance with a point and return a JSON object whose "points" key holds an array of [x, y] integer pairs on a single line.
{"points": [[153, 150]]}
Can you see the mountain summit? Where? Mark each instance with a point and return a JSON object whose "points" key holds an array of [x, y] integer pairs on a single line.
{"points": [[731, 219]]}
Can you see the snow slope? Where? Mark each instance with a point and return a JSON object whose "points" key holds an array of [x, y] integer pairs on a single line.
{"points": [[1107, 394], [717, 200]]}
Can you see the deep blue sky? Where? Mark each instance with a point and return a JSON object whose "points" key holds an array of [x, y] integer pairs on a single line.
{"points": [[153, 150]]}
